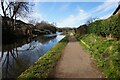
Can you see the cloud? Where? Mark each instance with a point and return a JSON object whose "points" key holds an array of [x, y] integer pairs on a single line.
{"points": [[106, 6], [76, 19], [32, 16], [104, 10], [71, 0], [106, 16], [23, 19], [82, 16], [1, 9], [64, 7], [73, 20], [37, 16]]}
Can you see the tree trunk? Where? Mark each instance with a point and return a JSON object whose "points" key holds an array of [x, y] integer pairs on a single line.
{"points": [[3, 9], [14, 23]]}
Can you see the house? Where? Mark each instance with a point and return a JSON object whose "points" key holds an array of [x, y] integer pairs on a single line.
{"points": [[117, 11], [21, 28]]}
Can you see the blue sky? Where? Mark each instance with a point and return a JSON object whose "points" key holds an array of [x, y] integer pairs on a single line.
{"points": [[71, 14]]}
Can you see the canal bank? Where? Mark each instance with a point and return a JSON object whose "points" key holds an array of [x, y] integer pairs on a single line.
{"points": [[44, 65], [18, 56]]}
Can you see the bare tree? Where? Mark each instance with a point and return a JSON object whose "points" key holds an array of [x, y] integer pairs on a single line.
{"points": [[54, 24], [15, 9], [43, 25], [33, 21]]}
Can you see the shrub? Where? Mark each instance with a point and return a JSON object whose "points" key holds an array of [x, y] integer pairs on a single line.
{"points": [[110, 26]]}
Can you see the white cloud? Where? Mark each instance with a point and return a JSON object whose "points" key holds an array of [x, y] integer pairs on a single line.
{"points": [[37, 16], [64, 7], [70, 0], [103, 10], [32, 16], [106, 16], [81, 11], [73, 20], [106, 6], [82, 16], [1, 9]]}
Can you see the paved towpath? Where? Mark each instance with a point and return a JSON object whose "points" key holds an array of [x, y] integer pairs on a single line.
{"points": [[75, 63]]}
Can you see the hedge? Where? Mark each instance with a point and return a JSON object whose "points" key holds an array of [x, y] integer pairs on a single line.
{"points": [[110, 26]]}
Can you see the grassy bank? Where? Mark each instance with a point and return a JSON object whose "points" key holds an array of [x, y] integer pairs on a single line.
{"points": [[106, 52], [44, 65]]}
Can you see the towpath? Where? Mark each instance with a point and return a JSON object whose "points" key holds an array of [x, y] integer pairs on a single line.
{"points": [[75, 63]]}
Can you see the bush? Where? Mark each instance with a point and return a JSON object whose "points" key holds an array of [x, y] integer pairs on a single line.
{"points": [[110, 26]]}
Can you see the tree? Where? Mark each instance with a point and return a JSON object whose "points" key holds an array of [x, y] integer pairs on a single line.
{"points": [[15, 9], [33, 21], [54, 23], [90, 20], [43, 25]]}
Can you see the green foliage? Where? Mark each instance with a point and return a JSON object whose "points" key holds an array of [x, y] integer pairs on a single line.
{"points": [[106, 27], [106, 53], [78, 36], [44, 65]]}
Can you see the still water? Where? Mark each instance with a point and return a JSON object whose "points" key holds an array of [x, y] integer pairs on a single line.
{"points": [[20, 55]]}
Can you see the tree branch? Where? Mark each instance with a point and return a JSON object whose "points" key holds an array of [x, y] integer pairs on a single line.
{"points": [[3, 9], [15, 11]]}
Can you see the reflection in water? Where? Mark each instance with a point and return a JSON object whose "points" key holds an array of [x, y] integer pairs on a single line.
{"points": [[17, 57]]}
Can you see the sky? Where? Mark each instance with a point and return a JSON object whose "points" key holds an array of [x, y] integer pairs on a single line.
{"points": [[70, 14]]}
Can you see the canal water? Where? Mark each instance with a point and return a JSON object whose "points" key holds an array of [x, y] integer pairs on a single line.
{"points": [[20, 55]]}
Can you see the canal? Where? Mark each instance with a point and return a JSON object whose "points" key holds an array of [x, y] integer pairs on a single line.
{"points": [[20, 55]]}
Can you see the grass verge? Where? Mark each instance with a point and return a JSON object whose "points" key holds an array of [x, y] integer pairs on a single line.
{"points": [[44, 65], [106, 52]]}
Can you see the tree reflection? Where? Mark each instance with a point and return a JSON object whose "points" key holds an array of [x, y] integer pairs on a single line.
{"points": [[13, 64], [6, 62]]}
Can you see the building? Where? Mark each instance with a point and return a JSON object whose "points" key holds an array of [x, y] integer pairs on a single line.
{"points": [[21, 28], [117, 11]]}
